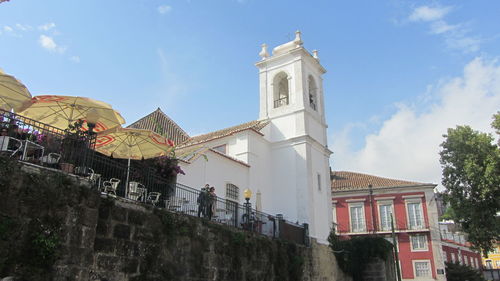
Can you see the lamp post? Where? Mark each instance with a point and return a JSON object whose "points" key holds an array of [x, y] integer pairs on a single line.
{"points": [[248, 194]]}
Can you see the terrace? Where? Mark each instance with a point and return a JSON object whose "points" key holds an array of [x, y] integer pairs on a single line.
{"points": [[40, 144]]}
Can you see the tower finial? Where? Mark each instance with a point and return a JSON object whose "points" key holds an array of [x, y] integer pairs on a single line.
{"points": [[315, 55], [298, 40], [263, 53]]}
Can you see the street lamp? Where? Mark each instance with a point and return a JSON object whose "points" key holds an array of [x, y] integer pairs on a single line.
{"points": [[248, 194]]}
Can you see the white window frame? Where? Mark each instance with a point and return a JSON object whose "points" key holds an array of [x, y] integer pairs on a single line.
{"points": [[426, 243], [453, 257], [384, 203], [415, 269], [334, 214], [362, 205], [413, 201]]}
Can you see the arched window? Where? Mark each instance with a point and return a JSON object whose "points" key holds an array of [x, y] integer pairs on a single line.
{"points": [[313, 96], [280, 89]]}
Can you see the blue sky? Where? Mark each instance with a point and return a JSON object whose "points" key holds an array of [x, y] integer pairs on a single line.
{"points": [[399, 72]]}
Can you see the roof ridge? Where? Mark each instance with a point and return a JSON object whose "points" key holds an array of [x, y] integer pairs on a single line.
{"points": [[255, 125], [342, 180]]}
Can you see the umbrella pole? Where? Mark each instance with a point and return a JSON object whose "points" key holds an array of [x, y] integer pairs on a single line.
{"points": [[126, 182]]}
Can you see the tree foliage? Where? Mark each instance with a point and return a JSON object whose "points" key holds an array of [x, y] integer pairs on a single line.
{"points": [[471, 176], [354, 254], [458, 272]]}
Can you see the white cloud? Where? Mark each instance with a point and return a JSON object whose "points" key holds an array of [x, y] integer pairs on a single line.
{"points": [[163, 9], [440, 26], [455, 36], [75, 59], [426, 13], [49, 44], [407, 144], [23, 27], [7, 28], [47, 26]]}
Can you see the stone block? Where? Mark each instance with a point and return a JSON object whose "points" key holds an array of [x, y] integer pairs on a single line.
{"points": [[103, 228], [109, 263], [104, 245], [121, 231], [104, 211], [136, 217], [88, 236], [143, 234], [89, 217], [119, 214], [130, 266], [127, 248]]}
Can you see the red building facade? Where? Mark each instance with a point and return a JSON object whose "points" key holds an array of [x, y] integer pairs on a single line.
{"points": [[364, 204]]}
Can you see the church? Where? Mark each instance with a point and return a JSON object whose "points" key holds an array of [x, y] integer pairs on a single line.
{"points": [[282, 156]]}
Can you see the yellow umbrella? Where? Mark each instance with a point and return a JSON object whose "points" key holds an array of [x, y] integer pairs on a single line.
{"points": [[129, 143], [61, 111], [12, 92]]}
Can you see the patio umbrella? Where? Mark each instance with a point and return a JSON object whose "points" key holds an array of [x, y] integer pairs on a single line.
{"points": [[61, 111], [12, 92], [129, 143]]}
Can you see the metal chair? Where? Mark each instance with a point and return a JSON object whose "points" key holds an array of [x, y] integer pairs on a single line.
{"points": [[51, 159], [8, 147], [136, 190], [111, 185], [153, 198]]}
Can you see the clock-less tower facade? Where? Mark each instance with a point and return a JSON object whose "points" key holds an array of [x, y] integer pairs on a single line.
{"points": [[291, 98]]}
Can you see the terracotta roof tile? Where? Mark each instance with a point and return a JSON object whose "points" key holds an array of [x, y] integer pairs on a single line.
{"points": [[256, 125], [341, 180], [159, 122]]}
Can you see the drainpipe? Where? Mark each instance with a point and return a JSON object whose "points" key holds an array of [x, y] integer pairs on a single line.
{"points": [[374, 223]]}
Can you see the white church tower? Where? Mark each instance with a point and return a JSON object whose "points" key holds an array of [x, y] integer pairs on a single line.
{"points": [[291, 98]]}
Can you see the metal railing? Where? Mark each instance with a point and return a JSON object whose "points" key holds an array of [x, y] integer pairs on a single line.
{"points": [[28, 140], [280, 102]]}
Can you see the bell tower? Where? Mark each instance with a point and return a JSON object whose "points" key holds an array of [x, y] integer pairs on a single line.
{"points": [[291, 98]]}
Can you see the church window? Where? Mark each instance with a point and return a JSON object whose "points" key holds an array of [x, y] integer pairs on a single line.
{"points": [[280, 89], [319, 181], [313, 96]]}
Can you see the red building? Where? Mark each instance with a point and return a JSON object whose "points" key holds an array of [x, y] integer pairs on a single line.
{"points": [[364, 204], [456, 248]]}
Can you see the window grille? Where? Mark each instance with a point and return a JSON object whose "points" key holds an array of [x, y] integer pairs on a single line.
{"points": [[232, 192], [422, 269]]}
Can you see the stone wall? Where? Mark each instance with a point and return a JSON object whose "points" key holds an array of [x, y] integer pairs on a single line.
{"points": [[380, 270], [54, 227]]}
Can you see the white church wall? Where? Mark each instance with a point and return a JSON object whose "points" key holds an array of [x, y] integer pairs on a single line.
{"points": [[217, 171]]}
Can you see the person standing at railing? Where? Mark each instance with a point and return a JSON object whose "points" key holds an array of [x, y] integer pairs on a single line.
{"points": [[211, 202], [203, 201]]}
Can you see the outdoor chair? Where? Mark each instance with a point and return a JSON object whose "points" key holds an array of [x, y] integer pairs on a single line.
{"points": [[153, 198], [51, 159], [136, 190], [87, 173], [10, 146], [111, 185], [174, 203]]}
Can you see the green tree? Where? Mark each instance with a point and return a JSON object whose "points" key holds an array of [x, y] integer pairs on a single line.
{"points": [[458, 272], [496, 124], [471, 176]]}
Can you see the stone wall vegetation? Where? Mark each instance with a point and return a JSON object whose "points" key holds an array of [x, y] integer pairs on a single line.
{"points": [[55, 227]]}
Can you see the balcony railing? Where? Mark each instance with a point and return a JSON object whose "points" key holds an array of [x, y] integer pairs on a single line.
{"points": [[30, 141], [281, 102], [399, 226]]}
